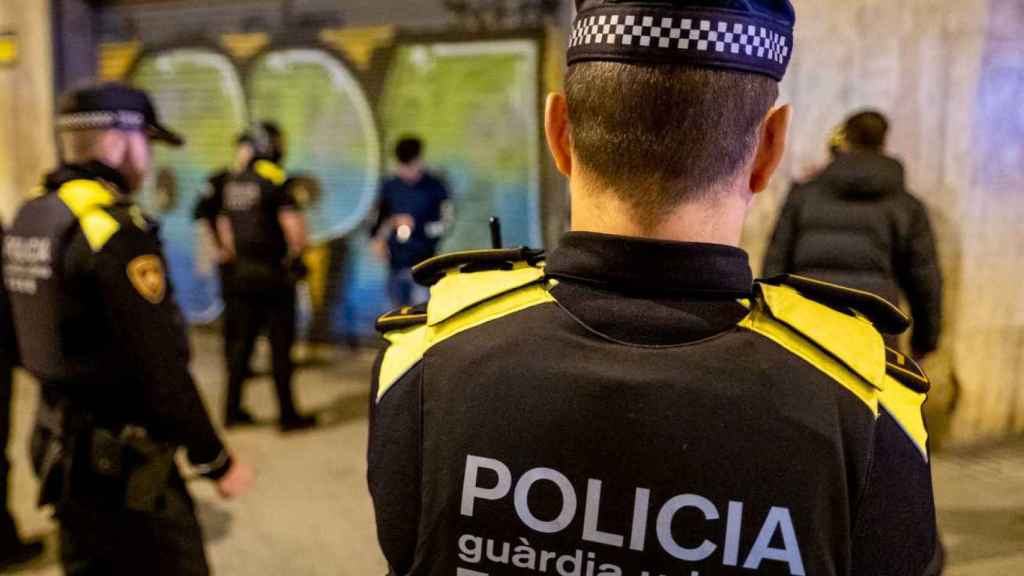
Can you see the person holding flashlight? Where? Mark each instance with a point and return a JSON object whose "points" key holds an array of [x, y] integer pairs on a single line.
{"points": [[414, 212]]}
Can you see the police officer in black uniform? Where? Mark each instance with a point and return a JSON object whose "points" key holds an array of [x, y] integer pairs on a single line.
{"points": [[99, 328], [636, 404], [208, 207], [12, 550], [264, 233]]}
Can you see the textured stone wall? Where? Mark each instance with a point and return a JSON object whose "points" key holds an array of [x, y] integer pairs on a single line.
{"points": [[951, 76], [26, 103]]}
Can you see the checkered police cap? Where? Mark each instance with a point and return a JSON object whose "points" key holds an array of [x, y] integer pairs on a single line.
{"points": [[747, 35], [113, 106]]}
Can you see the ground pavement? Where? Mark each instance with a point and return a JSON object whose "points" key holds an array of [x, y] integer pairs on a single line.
{"points": [[310, 514]]}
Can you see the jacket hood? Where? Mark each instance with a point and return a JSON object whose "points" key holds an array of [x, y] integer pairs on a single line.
{"points": [[865, 174]]}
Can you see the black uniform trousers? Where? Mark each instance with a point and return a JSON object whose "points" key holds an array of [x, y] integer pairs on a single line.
{"points": [[8, 531], [228, 295], [99, 536], [249, 314]]}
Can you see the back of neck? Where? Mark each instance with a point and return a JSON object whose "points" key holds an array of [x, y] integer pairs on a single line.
{"points": [[715, 221]]}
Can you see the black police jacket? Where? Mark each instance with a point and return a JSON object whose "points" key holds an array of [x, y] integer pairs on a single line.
{"points": [[252, 201], [95, 315], [638, 408], [211, 201], [856, 225]]}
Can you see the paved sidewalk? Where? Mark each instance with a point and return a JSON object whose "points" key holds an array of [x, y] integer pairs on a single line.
{"points": [[981, 510], [310, 514]]}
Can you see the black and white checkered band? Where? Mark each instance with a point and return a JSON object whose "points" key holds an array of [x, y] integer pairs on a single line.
{"points": [[720, 39], [101, 120]]}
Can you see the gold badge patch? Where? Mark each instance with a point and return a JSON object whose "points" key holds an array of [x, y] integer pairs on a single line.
{"points": [[147, 275]]}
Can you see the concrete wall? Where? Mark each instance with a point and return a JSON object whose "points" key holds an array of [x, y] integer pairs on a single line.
{"points": [[951, 76], [26, 102]]}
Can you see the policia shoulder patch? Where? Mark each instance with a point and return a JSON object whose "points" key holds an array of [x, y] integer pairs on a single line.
{"points": [[843, 341], [467, 290], [146, 274]]}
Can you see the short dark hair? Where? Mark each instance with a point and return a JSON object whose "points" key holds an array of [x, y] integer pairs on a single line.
{"points": [[658, 133], [867, 130], [409, 148]]}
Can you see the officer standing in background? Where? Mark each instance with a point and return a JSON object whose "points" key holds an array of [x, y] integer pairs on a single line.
{"points": [[99, 328], [638, 404], [207, 208], [414, 212], [856, 224], [263, 231], [12, 550]]}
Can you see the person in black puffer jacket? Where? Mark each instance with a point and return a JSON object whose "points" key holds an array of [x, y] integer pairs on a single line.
{"points": [[855, 224]]}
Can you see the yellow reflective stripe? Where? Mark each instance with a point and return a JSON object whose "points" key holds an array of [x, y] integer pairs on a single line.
{"points": [[761, 323], [905, 406], [82, 196], [852, 340], [862, 293], [98, 227], [506, 305], [409, 345], [456, 292], [270, 171], [87, 199], [405, 350]]}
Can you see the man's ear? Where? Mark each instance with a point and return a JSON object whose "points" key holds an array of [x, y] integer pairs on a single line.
{"points": [[556, 128], [771, 146]]}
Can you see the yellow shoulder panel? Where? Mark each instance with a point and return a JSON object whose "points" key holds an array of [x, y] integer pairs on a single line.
{"points": [[87, 199], [98, 227], [760, 321], [456, 292], [408, 345], [270, 171], [905, 406], [405, 348], [82, 196], [852, 340]]}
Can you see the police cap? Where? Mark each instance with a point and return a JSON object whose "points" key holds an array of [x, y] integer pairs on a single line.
{"points": [[746, 35], [113, 106]]}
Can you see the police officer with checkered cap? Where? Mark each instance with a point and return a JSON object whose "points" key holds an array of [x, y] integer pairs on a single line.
{"points": [[634, 403], [98, 326]]}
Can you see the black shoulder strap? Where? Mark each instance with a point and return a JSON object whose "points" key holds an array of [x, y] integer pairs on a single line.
{"points": [[886, 317], [402, 318], [428, 272], [904, 370]]}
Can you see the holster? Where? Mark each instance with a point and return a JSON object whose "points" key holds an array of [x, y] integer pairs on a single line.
{"points": [[51, 451], [132, 460], [71, 454]]}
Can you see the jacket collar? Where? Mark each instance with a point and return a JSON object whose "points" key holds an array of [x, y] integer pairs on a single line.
{"points": [[93, 170], [652, 267]]}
